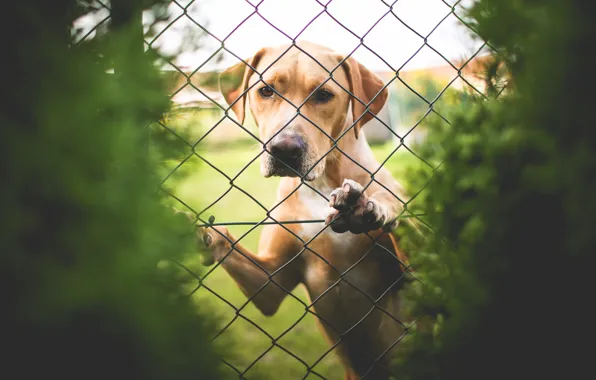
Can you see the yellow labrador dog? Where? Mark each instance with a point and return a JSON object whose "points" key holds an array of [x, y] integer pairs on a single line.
{"points": [[352, 282]]}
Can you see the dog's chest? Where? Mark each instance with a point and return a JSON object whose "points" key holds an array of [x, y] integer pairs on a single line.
{"points": [[331, 253], [317, 208]]}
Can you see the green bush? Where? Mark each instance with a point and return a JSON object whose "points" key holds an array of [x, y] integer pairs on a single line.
{"points": [[506, 272], [87, 279]]}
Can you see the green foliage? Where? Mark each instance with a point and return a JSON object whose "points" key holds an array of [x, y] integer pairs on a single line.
{"points": [[505, 275], [86, 246]]}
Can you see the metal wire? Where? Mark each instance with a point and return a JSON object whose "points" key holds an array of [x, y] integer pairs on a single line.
{"points": [[309, 369]]}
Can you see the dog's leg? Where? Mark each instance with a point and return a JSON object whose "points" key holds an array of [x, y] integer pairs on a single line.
{"points": [[254, 273], [360, 211]]}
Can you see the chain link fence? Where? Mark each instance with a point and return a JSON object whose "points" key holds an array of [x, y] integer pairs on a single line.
{"points": [[304, 353]]}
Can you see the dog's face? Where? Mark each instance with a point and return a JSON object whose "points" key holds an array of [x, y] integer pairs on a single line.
{"points": [[299, 111]]}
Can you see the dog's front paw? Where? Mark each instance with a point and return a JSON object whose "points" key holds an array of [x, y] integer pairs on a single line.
{"points": [[216, 241], [354, 211]]}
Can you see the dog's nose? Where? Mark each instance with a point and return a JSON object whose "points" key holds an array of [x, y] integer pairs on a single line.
{"points": [[287, 147]]}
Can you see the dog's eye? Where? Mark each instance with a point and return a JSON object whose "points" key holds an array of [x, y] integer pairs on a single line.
{"points": [[266, 92], [323, 96]]}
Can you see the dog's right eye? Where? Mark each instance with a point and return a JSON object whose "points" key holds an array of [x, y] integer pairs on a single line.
{"points": [[266, 91]]}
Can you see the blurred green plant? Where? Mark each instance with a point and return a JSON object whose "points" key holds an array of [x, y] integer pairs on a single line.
{"points": [[414, 102], [88, 278], [506, 271]]}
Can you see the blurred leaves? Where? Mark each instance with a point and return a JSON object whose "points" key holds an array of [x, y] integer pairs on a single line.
{"points": [[83, 228], [512, 208]]}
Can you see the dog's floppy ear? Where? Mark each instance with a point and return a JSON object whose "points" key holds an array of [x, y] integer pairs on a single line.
{"points": [[366, 86], [233, 82]]}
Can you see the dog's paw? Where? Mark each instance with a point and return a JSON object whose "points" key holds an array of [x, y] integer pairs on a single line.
{"points": [[354, 211], [214, 240]]}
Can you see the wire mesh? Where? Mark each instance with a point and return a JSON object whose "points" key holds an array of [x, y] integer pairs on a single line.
{"points": [[197, 151]]}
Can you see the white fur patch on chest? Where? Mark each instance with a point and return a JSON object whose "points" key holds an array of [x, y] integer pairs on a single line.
{"points": [[318, 208], [343, 246]]}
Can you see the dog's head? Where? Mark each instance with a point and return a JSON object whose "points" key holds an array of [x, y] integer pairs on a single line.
{"points": [[298, 109]]}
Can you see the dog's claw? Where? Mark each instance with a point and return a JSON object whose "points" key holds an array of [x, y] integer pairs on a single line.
{"points": [[330, 217], [332, 200], [207, 239]]}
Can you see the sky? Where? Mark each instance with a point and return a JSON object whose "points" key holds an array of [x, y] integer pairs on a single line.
{"points": [[391, 39]]}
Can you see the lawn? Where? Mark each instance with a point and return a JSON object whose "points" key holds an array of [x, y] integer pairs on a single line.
{"points": [[199, 185]]}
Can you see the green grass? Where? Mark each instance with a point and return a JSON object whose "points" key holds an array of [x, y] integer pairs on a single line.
{"points": [[199, 185]]}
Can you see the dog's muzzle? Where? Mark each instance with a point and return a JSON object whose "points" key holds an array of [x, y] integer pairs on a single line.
{"points": [[288, 151]]}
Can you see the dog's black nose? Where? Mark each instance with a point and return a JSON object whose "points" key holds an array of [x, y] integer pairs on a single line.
{"points": [[288, 147]]}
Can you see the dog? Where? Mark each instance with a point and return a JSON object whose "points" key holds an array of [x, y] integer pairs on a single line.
{"points": [[351, 266]]}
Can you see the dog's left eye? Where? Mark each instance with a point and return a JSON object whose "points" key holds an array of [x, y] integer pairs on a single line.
{"points": [[266, 91], [323, 96]]}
